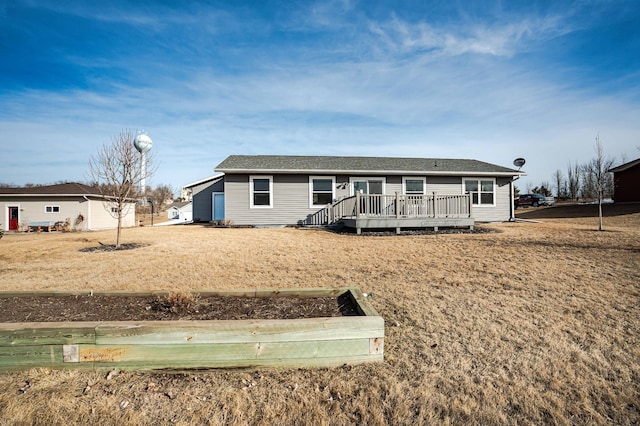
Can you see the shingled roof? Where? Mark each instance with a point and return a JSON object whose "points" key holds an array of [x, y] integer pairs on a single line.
{"points": [[62, 189], [355, 165]]}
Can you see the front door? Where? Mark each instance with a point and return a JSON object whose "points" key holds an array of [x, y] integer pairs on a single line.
{"points": [[13, 218], [218, 206]]}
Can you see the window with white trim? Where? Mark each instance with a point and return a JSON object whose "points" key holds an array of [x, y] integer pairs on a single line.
{"points": [[261, 192], [482, 191], [367, 185], [52, 209], [413, 186], [321, 190]]}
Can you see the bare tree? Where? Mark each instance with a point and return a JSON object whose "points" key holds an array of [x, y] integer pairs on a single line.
{"points": [[559, 181], [116, 168], [598, 168], [573, 178], [161, 194]]}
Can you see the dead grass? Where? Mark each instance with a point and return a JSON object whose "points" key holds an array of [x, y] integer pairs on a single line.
{"points": [[536, 324]]}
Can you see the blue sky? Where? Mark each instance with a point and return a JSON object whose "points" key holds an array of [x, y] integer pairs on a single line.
{"points": [[490, 80]]}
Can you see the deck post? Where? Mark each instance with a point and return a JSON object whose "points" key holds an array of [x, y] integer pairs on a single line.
{"points": [[358, 205], [435, 205], [398, 205]]}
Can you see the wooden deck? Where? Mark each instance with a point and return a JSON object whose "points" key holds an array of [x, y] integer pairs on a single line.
{"points": [[374, 211]]}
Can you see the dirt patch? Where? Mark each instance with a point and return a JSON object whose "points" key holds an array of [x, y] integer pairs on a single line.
{"points": [[112, 247], [135, 308]]}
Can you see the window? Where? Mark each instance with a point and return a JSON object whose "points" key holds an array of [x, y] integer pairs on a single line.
{"points": [[482, 191], [52, 209], [413, 186], [367, 185], [322, 191], [261, 192]]}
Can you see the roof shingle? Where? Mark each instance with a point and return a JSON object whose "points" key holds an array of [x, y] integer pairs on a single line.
{"points": [[389, 165], [72, 188]]}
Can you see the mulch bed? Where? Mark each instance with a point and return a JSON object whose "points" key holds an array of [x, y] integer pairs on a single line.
{"points": [[418, 231], [112, 247], [170, 308]]}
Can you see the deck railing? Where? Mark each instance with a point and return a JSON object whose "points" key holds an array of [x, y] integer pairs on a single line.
{"points": [[393, 206]]}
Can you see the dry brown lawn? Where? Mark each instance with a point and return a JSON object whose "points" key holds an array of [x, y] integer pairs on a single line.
{"points": [[537, 323]]}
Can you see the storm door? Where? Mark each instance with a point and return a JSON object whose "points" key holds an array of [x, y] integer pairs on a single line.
{"points": [[13, 218]]}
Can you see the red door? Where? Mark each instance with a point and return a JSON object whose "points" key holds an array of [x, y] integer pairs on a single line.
{"points": [[13, 218]]}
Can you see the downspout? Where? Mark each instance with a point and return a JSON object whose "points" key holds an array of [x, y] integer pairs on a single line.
{"points": [[511, 205], [88, 212]]}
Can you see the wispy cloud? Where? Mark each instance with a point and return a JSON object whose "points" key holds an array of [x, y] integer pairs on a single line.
{"points": [[321, 78], [496, 39]]}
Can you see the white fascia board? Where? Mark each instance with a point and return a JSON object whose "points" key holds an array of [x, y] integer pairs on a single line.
{"points": [[198, 182]]}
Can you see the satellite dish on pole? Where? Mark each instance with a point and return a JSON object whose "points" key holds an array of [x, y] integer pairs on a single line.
{"points": [[519, 162], [143, 144]]}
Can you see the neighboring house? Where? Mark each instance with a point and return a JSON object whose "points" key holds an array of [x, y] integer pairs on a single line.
{"points": [[180, 210], [43, 206], [626, 182], [207, 196], [365, 192]]}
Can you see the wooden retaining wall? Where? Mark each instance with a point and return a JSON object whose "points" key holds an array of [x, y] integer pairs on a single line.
{"points": [[176, 345]]}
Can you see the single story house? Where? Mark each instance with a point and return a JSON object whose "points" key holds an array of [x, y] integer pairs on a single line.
{"points": [[625, 182], [364, 192], [180, 210], [207, 196], [44, 206]]}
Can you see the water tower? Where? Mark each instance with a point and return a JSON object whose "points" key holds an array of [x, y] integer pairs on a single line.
{"points": [[143, 143]]}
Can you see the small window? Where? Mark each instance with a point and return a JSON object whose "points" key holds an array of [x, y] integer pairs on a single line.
{"points": [[322, 191], [114, 210], [261, 189], [482, 191], [52, 209], [414, 186]]}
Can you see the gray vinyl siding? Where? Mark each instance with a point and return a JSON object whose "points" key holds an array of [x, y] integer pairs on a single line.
{"points": [[444, 185], [501, 211], [291, 197], [394, 184], [201, 199], [290, 201]]}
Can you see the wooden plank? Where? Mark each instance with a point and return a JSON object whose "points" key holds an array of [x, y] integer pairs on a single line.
{"points": [[301, 292], [30, 356], [281, 292], [176, 355], [362, 304], [214, 364], [197, 332], [41, 293], [42, 333]]}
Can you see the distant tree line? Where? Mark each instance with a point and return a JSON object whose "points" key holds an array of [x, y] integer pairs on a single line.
{"points": [[589, 180]]}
